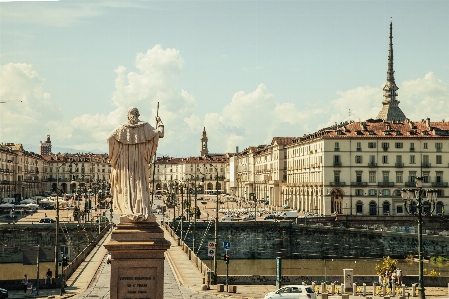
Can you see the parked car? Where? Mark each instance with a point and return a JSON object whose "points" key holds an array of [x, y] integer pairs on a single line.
{"points": [[268, 217], [227, 217], [292, 291], [47, 220], [3, 293], [249, 217]]}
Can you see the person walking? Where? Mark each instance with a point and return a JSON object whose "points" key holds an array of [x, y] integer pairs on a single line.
{"points": [[48, 277], [25, 283], [399, 275]]}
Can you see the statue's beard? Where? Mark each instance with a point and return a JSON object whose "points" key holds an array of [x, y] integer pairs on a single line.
{"points": [[133, 119]]}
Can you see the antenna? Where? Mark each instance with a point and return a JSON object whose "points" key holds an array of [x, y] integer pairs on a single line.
{"points": [[349, 114]]}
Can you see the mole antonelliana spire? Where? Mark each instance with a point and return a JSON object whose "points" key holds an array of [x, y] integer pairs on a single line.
{"points": [[390, 110]]}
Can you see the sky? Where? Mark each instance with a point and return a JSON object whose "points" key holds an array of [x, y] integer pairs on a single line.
{"points": [[247, 71]]}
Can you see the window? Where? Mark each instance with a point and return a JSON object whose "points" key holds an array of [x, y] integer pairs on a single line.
{"points": [[399, 177], [385, 176], [386, 208], [439, 159], [337, 161], [372, 192], [359, 146], [385, 145], [439, 146], [337, 146], [371, 145], [385, 159], [399, 161], [412, 176], [399, 210], [358, 177], [359, 192], [359, 207], [412, 147], [358, 159], [425, 176], [372, 176], [385, 192], [439, 177], [399, 145], [412, 159], [425, 145], [337, 176]]}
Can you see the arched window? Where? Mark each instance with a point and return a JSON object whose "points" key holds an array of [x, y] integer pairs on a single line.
{"points": [[372, 208], [359, 207], [439, 208], [386, 208]]}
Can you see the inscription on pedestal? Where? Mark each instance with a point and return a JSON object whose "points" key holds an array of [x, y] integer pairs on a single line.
{"points": [[137, 283]]}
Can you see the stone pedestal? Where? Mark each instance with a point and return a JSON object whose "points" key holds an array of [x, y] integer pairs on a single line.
{"points": [[137, 261]]}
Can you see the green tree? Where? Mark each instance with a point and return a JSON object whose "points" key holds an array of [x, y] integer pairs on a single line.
{"points": [[388, 264]]}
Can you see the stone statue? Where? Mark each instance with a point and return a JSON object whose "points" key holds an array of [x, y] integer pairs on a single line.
{"points": [[132, 146]]}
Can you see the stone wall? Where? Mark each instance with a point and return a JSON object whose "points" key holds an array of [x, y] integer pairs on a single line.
{"points": [[267, 240], [13, 238]]}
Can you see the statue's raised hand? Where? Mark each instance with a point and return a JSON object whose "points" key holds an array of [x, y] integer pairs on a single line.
{"points": [[159, 121]]}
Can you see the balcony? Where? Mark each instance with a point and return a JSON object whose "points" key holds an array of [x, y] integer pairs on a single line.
{"points": [[410, 184], [385, 184], [337, 164], [412, 149], [372, 164], [439, 184], [362, 184], [359, 149], [425, 165], [337, 149], [399, 165], [341, 184]]}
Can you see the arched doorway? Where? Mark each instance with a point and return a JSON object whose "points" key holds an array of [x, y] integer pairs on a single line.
{"points": [[336, 201], [372, 208], [359, 208], [386, 208]]}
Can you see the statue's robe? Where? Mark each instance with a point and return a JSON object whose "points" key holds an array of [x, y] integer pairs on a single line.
{"points": [[131, 149]]}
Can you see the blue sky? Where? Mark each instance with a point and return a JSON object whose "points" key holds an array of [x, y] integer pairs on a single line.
{"points": [[246, 70]]}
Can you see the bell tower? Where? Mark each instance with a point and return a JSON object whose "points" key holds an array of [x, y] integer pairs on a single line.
{"points": [[204, 151]]}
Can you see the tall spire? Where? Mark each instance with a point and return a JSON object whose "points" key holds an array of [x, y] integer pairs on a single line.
{"points": [[390, 110]]}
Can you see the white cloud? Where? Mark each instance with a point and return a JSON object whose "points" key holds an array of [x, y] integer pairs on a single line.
{"points": [[27, 120]]}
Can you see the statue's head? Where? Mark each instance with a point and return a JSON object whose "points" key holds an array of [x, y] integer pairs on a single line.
{"points": [[133, 115]]}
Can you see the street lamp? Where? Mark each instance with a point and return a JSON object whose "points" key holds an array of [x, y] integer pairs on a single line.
{"points": [[416, 205], [57, 221], [216, 226]]}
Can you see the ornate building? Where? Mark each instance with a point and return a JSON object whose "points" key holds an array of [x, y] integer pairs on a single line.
{"points": [[204, 150], [45, 147]]}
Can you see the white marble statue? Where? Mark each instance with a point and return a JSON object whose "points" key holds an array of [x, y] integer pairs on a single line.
{"points": [[132, 146]]}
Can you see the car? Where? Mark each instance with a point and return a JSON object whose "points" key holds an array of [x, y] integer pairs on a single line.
{"points": [[249, 217], [227, 217], [49, 207], [292, 291], [180, 217], [3, 293], [268, 217], [108, 258], [47, 220]]}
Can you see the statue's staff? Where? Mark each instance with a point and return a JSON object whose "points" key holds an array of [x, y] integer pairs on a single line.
{"points": [[154, 162]]}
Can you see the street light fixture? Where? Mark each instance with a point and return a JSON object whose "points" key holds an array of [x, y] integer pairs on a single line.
{"points": [[216, 225], [415, 204]]}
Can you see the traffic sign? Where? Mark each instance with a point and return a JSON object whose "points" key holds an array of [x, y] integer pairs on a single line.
{"points": [[211, 245], [211, 252], [227, 245]]}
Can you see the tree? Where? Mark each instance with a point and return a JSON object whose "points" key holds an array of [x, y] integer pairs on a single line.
{"points": [[388, 264]]}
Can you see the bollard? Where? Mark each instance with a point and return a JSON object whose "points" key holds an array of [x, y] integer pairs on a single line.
{"points": [[364, 289], [354, 289], [403, 290], [232, 289], [342, 288], [413, 289], [323, 288], [332, 288], [220, 287], [393, 287]]}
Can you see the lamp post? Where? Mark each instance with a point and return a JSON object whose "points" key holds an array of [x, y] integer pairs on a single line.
{"points": [[57, 222], [416, 205], [216, 227]]}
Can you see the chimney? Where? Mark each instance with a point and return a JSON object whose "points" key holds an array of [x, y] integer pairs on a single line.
{"points": [[236, 149]]}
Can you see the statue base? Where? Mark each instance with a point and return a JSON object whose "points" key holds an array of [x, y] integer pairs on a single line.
{"points": [[137, 260]]}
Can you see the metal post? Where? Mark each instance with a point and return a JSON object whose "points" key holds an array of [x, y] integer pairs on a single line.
{"points": [[194, 215], [216, 232], [421, 293], [182, 208]]}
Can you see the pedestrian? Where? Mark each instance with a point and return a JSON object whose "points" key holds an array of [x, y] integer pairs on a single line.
{"points": [[25, 283], [48, 277], [399, 275]]}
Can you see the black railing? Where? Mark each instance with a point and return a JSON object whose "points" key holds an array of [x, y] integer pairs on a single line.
{"points": [[372, 164], [439, 184], [337, 163], [385, 184], [338, 184], [399, 165], [359, 183]]}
